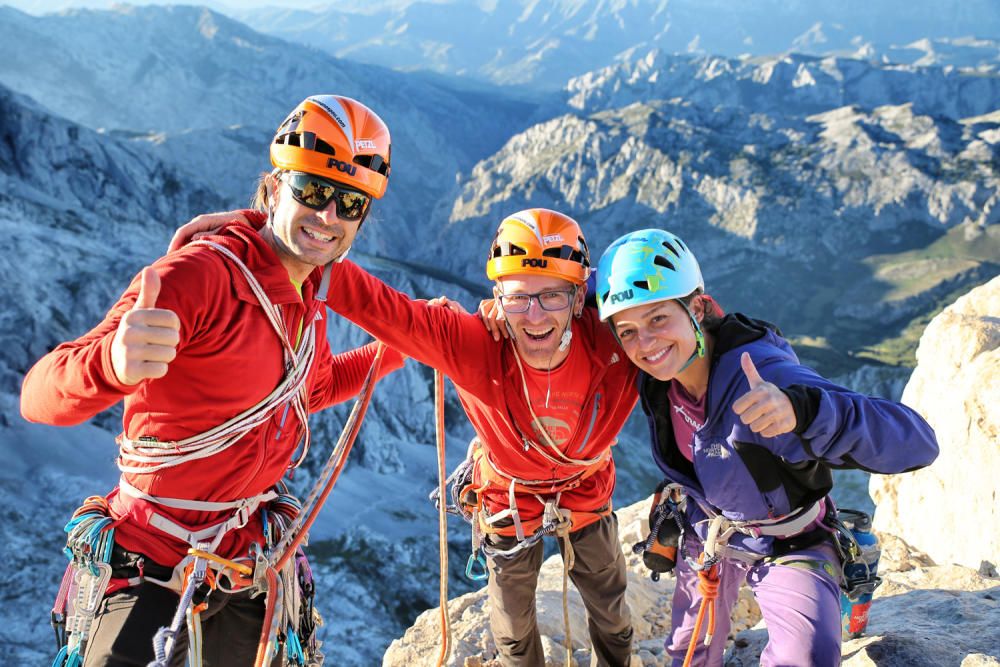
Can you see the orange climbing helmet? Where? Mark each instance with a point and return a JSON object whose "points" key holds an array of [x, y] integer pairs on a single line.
{"points": [[337, 138], [539, 241]]}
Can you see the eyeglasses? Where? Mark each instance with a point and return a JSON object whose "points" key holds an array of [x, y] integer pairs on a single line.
{"points": [[317, 193], [550, 300]]}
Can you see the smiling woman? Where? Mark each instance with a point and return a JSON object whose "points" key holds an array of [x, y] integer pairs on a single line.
{"points": [[745, 437]]}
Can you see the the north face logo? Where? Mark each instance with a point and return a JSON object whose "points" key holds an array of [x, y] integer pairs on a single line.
{"points": [[715, 450]]}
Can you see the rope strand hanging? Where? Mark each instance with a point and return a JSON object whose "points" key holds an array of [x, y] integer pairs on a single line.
{"points": [[299, 528], [442, 518]]}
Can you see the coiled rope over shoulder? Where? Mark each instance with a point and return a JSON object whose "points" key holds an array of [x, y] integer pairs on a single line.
{"points": [[148, 456]]}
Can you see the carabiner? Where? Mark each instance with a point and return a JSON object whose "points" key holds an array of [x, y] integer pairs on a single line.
{"points": [[474, 558]]}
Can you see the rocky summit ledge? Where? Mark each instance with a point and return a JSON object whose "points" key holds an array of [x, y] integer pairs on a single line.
{"points": [[923, 615]]}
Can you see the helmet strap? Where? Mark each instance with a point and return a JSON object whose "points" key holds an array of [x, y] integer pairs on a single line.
{"points": [[567, 334], [699, 338], [269, 191], [510, 330], [324, 283]]}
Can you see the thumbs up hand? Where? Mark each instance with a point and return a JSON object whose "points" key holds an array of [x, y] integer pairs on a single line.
{"points": [[765, 408], [147, 336]]}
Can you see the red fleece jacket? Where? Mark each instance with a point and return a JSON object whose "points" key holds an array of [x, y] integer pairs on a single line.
{"points": [[228, 359]]}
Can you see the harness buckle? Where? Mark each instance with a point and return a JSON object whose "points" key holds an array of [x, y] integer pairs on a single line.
{"points": [[242, 516]]}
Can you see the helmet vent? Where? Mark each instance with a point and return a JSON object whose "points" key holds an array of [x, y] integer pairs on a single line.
{"points": [[666, 244], [660, 260], [566, 252], [306, 140], [373, 162], [506, 248], [641, 284]]}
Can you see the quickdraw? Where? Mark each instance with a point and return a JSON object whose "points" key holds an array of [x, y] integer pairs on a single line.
{"points": [[89, 542]]}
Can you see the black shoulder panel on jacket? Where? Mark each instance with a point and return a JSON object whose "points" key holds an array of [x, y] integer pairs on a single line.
{"points": [[804, 482]]}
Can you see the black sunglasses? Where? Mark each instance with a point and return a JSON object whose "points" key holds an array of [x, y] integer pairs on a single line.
{"points": [[317, 193]]}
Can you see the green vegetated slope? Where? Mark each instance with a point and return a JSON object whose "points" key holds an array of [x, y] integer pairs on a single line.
{"points": [[840, 316]]}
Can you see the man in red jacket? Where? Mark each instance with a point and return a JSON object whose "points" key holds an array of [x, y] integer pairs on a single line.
{"points": [[546, 405], [219, 351]]}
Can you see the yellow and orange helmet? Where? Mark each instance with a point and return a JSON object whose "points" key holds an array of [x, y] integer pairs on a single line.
{"points": [[539, 241], [337, 138]]}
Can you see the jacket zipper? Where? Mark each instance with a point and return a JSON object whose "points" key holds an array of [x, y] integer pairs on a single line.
{"points": [[593, 420], [262, 446]]}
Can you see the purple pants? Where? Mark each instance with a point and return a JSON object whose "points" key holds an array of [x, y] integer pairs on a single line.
{"points": [[799, 598]]}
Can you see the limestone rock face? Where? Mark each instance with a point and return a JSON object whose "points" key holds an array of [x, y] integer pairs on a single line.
{"points": [[924, 617], [951, 509], [472, 644]]}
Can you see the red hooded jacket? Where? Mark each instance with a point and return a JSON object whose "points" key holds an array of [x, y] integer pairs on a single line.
{"points": [[228, 359]]}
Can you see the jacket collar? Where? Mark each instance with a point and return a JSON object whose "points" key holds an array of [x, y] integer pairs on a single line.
{"points": [[263, 262]]}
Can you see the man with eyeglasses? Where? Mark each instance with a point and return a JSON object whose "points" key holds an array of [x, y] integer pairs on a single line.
{"points": [[546, 405], [219, 351]]}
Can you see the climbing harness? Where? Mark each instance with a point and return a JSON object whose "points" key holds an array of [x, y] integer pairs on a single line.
{"points": [[467, 502], [715, 549], [467, 496]]}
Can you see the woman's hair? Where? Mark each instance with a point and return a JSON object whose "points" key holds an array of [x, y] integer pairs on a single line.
{"points": [[712, 318]]}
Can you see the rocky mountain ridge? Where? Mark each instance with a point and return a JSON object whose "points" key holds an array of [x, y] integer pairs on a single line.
{"points": [[545, 43], [208, 92], [898, 206], [75, 205], [783, 84]]}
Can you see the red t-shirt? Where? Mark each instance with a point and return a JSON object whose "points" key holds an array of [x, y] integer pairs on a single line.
{"points": [[687, 414], [558, 395]]}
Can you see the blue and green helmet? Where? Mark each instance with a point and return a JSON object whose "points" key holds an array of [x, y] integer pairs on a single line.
{"points": [[647, 266]]}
